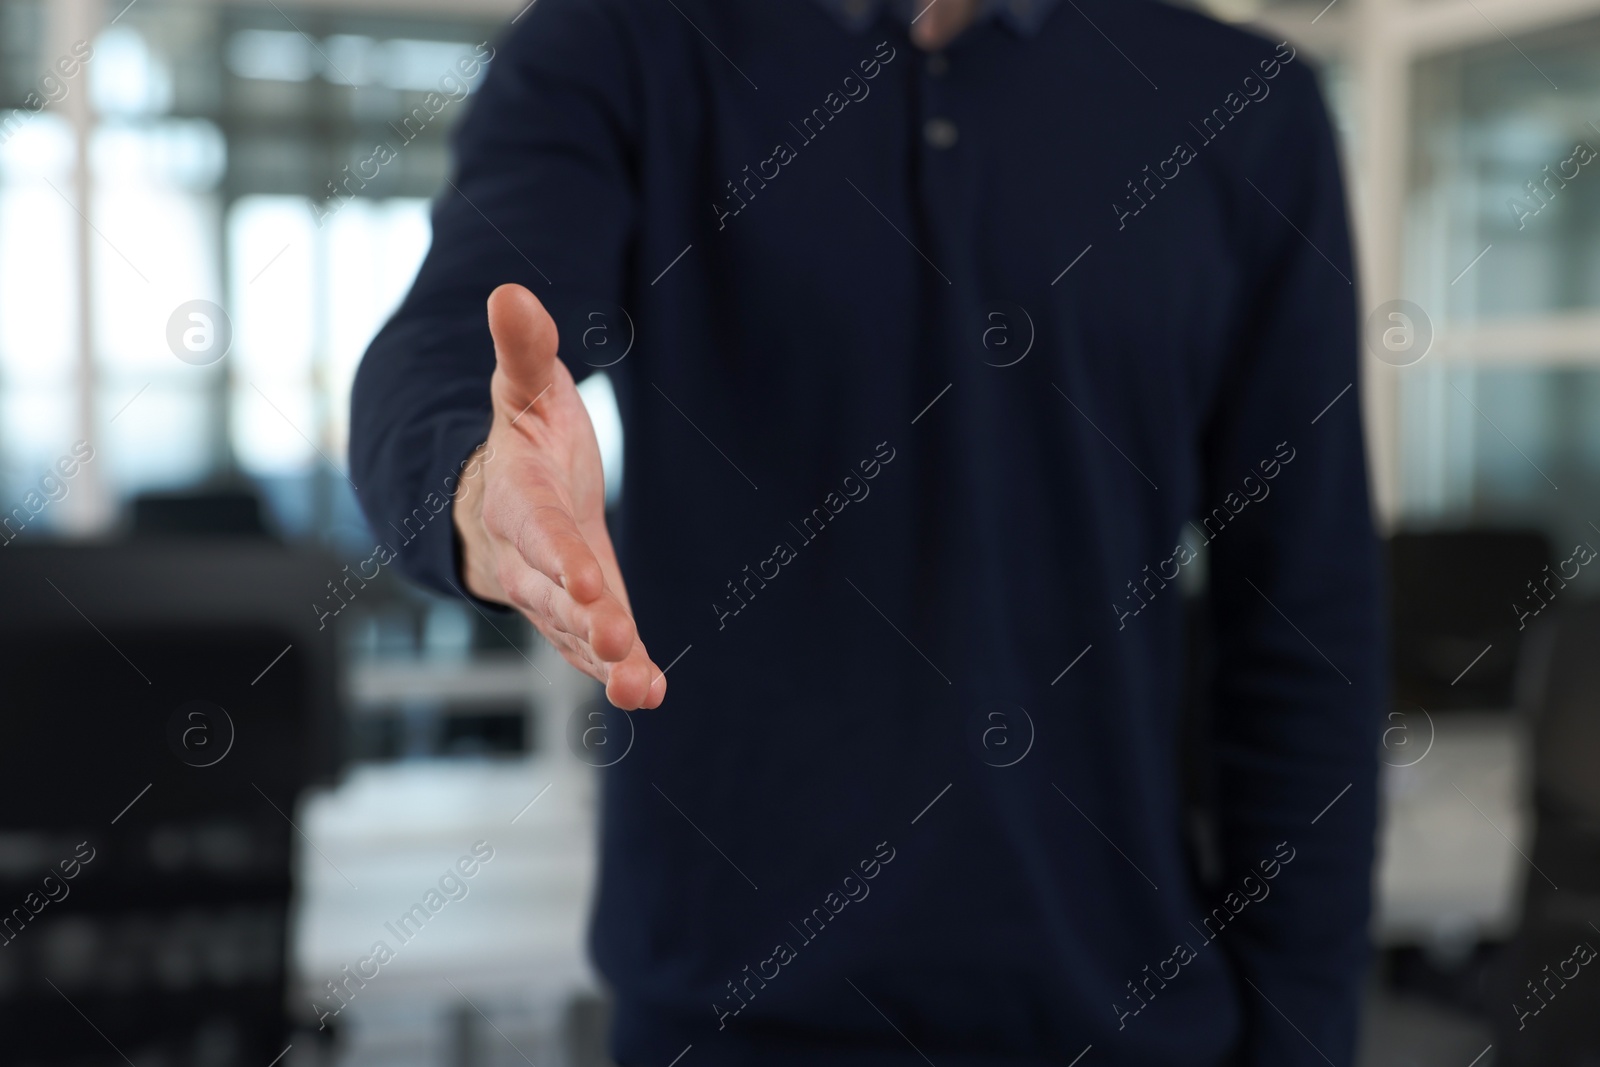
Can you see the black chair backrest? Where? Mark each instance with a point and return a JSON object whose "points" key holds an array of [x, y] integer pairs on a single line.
{"points": [[1562, 699], [156, 744], [1452, 600]]}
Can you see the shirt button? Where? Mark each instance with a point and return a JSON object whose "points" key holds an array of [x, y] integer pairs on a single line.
{"points": [[940, 133], [938, 65]]}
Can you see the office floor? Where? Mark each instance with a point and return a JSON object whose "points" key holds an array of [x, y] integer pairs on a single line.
{"points": [[496, 973], [497, 966], [1406, 1032]]}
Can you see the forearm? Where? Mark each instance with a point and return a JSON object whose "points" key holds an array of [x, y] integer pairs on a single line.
{"points": [[416, 419], [540, 185]]}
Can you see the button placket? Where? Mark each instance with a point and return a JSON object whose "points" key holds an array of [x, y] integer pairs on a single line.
{"points": [[938, 131]]}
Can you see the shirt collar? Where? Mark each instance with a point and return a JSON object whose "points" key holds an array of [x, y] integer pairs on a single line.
{"points": [[1023, 16]]}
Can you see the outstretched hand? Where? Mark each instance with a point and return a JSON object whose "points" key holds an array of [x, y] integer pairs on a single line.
{"points": [[532, 528]]}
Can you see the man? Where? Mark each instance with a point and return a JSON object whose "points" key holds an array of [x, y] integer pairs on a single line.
{"points": [[959, 343]]}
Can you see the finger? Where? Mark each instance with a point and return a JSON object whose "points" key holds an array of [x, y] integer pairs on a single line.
{"points": [[658, 690], [655, 687], [636, 682], [598, 538], [539, 525], [632, 684], [604, 626], [525, 342]]}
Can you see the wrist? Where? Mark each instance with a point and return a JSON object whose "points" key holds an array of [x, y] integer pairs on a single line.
{"points": [[474, 568]]}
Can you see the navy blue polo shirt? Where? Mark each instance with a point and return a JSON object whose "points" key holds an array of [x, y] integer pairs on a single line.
{"points": [[947, 378]]}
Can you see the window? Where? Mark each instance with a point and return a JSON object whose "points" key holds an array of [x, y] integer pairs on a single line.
{"points": [[211, 137], [1502, 223]]}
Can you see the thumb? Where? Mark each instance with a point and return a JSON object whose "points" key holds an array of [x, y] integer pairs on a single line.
{"points": [[525, 342]]}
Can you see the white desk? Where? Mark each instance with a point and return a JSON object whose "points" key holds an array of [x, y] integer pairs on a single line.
{"points": [[1449, 873]]}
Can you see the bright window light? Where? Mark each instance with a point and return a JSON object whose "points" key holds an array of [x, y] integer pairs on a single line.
{"points": [[601, 401], [271, 55], [374, 248], [38, 270], [420, 64], [126, 78]]}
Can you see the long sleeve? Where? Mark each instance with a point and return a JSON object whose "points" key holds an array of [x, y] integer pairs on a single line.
{"points": [[543, 194], [1296, 588]]}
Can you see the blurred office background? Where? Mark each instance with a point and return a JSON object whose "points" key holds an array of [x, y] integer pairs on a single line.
{"points": [[191, 159]]}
